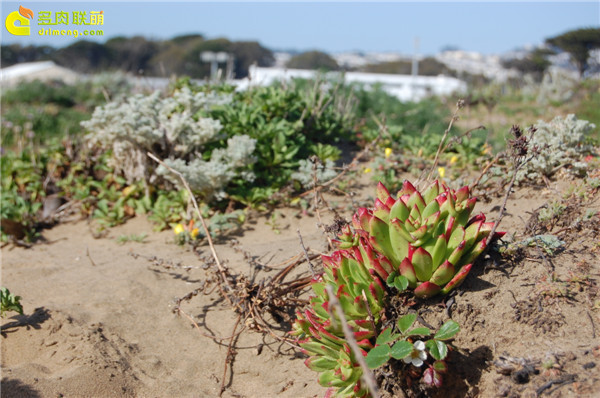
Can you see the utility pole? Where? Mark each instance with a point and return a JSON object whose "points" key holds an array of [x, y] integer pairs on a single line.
{"points": [[415, 61]]}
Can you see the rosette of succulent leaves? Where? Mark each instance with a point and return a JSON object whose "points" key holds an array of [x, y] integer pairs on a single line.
{"points": [[424, 242], [174, 129]]}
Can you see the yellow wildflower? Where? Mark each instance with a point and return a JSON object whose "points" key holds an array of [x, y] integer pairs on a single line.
{"points": [[194, 233], [368, 170], [128, 190], [453, 159], [441, 171], [487, 149], [178, 229], [388, 152]]}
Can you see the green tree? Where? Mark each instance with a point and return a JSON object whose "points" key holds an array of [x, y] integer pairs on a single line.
{"points": [[427, 67], [131, 54], [313, 60], [247, 53], [172, 58], [84, 56], [193, 67], [578, 44], [392, 67], [15, 53], [534, 63]]}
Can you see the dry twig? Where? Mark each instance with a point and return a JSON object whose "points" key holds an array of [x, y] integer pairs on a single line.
{"points": [[521, 154], [367, 377], [459, 105], [204, 226]]}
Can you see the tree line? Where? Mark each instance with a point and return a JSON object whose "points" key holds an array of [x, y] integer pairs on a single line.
{"points": [[138, 55], [181, 56]]}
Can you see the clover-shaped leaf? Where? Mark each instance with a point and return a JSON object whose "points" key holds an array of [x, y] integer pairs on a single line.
{"points": [[437, 349], [447, 331], [406, 322], [401, 349], [378, 356]]}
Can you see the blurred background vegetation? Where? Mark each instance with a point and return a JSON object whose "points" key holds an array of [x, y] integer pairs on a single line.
{"points": [[45, 153]]}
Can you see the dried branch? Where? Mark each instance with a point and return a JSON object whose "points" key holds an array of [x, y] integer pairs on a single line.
{"points": [[228, 357], [318, 195], [367, 377], [459, 104], [204, 226], [310, 265], [521, 154]]}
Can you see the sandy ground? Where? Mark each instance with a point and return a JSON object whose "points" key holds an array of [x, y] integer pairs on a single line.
{"points": [[99, 322]]}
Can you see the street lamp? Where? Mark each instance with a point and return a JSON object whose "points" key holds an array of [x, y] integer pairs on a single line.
{"points": [[215, 58]]}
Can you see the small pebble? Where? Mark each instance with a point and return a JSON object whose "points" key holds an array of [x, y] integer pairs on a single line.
{"points": [[589, 365], [521, 376]]}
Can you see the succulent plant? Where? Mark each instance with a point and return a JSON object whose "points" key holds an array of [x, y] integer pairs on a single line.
{"points": [[322, 337], [427, 241]]}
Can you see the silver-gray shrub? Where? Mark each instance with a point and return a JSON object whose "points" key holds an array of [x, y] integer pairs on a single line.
{"points": [[209, 177], [305, 174], [172, 129], [562, 144], [556, 86]]}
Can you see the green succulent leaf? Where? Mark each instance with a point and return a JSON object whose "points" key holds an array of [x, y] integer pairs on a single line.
{"points": [[399, 211], [401, 349], [321, 364], [447, 331], [438, 349], [378, 356], [431, 192], [406, 322], [431, 208], [423, 264]]}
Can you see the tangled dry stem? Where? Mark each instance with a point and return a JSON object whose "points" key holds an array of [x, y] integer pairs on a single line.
{"points": [[250, 300]]}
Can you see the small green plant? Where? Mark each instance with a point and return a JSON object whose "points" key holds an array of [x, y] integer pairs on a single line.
{"points": [[405, 346], [325, 152], [274, 223], [217, 223], [139, 238], [289, 124], [223, 222], [9, 302], [186, 234], [551, 211], [168, 208]]}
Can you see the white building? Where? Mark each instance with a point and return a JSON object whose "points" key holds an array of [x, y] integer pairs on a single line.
{"points": [[29, 71], [403, 87]]}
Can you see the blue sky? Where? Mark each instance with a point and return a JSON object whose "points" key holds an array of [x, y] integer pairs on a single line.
{"points": [[486, 27]]}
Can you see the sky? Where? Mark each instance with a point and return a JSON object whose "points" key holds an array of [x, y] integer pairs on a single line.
{"points": [[487, 27]]}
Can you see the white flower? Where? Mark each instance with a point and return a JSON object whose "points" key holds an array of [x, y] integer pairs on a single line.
{"points": [[418, 355]]}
